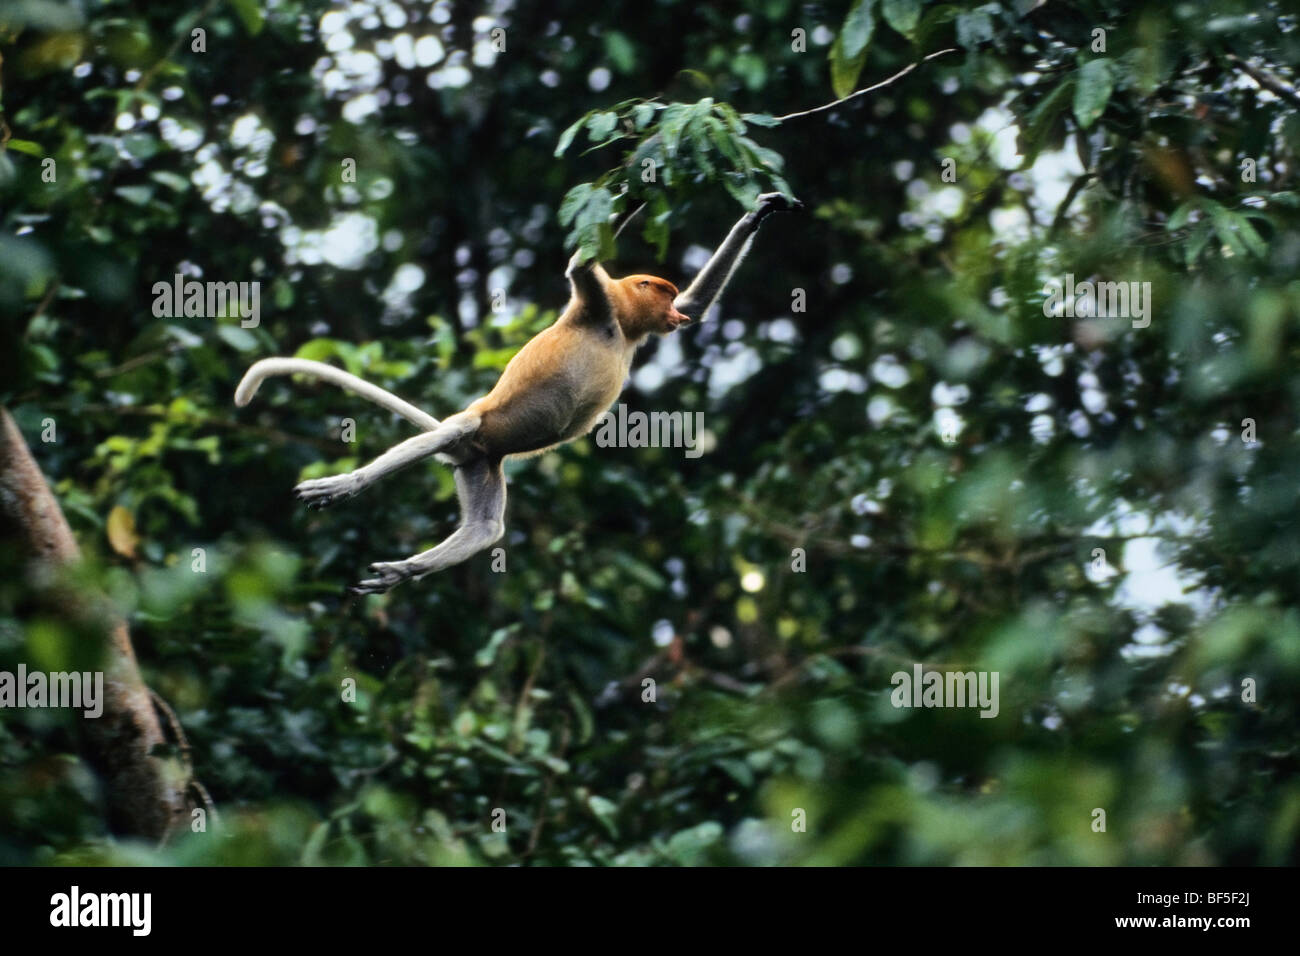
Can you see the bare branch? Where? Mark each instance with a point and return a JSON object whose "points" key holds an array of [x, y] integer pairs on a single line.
{"points": [[1269, 81], [870, 89]]}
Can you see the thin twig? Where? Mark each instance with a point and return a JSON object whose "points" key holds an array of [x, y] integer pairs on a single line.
{"points": [[857, 650], [623, 225], [1076, 187], [881, 85], [524, 693], [208, 803], [45, 301], [137, 361], [178, 733], [1267, 80], [182, 34]]}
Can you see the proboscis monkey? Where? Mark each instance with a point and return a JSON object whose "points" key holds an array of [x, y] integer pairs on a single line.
{"points": [[553, 391]]}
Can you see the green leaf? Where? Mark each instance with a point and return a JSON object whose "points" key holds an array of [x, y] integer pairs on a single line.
{"points": [[318, 350], [136, 195], [700, 150], [1181, 215], [171, 180], [686, 846], [592, 232], [573, 201], [488, 652], [723, 141], [1250, 235], [656, 224], [1042, 118], [858, 27], [250, 13], [976, 26], [737, 770], [282, 293], [1196, 242], [596, 212], [620, 51], [605, 248], [566, 138], [141, 145], [844, 70], [241, 340], [643, 113], [605, 811], [769, 158], [902, 15], [742, 189], [586, 721], [1285, 198], [1092, 91], [1235, 231], [640, 572], [42, 15], [25, 146], [601, 125], [671, 125], [736, 124], [934, 19]]}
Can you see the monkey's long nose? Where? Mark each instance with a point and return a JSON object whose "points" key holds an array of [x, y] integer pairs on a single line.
{"points": [[676, 318]]}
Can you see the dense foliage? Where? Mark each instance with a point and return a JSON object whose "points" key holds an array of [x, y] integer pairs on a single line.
{"points": [[910, 460]]}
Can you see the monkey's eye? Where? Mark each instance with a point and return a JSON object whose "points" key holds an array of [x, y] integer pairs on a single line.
{"points": [[643, 283]]}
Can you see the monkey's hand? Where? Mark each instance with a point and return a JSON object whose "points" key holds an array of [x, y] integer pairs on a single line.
{"points": [[769, 203], [578, 264], [320, 492], [390, 574]]}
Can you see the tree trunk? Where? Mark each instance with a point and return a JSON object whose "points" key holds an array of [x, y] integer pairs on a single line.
{"points": [[146, 794]]}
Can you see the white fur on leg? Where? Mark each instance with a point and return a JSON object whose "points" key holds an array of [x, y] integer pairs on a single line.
{"points": [[463, 543], [481, 488], [319, 492]]}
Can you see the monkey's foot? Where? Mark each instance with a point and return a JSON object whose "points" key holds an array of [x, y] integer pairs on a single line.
{"points": [[391, 574], [319, 492]]}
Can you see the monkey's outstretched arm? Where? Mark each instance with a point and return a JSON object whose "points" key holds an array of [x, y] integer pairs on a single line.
{"points": [[717, 272], [267, 368]]}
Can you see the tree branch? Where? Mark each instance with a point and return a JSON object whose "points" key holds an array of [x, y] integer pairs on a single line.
{"points": [[1266, 80], [870, 89]]}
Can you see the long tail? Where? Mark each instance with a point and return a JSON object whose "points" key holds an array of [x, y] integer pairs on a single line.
{"points": [[335, 376]]}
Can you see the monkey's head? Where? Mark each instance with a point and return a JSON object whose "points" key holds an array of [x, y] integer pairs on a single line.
{"points": [[646, 306]]}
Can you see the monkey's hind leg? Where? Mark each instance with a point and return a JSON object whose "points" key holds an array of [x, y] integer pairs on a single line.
{"points": [[481, 488], [319, 492]]}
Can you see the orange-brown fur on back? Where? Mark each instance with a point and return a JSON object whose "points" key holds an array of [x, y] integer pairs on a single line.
{"points": [[560, 383]]}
